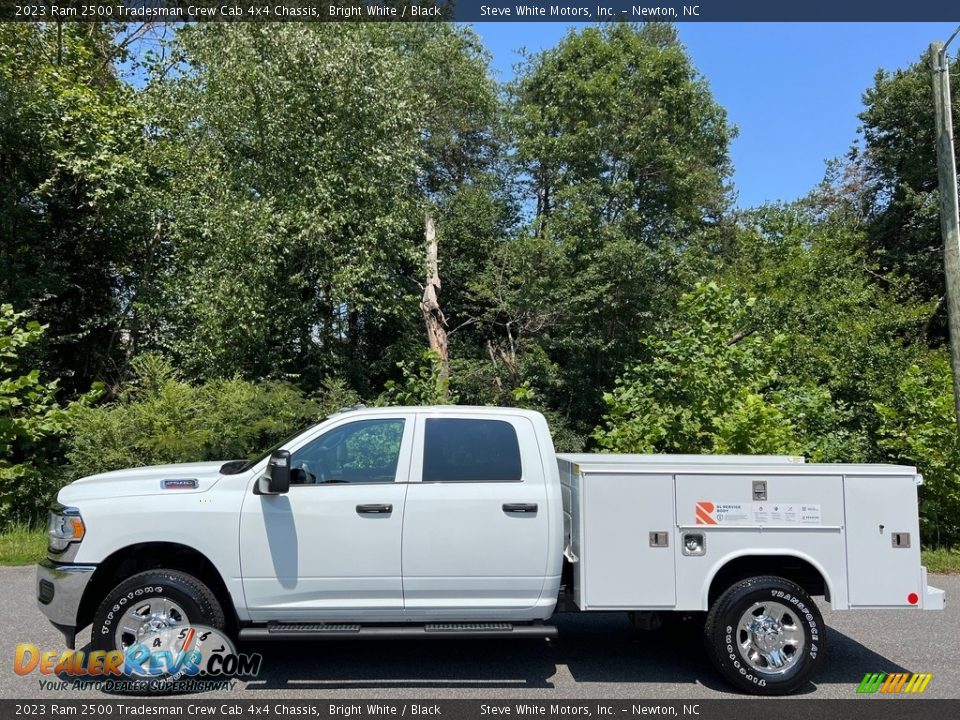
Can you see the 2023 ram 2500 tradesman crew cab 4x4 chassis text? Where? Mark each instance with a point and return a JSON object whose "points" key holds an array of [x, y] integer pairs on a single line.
{"points": [[463, 522]]}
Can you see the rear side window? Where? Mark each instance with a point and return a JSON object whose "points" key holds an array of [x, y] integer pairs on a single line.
{"points": [[458, 450]]}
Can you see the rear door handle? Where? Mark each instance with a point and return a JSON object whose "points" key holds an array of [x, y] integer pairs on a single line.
{"points": [[374, 509], [519, 507]]}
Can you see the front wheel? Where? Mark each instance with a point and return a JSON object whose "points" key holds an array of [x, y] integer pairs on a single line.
{"points": [[765, 635], [156, 610]]}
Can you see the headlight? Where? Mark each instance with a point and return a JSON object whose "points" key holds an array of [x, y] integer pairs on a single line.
{"points": [[65, 527]]}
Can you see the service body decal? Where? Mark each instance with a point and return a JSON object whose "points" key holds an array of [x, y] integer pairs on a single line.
{"points": [[707, 512], [711, 513], [768, 513]]}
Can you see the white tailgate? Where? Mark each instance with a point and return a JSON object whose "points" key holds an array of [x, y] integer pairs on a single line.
{"points": [[879, 574]]}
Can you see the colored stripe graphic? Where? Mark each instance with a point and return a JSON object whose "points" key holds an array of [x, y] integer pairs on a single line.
{"points": [[871, 682], [918, 683], [894, 683], [703, 513]]}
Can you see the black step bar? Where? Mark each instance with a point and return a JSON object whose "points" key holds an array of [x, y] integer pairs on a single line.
{"points": [[349, 631]]}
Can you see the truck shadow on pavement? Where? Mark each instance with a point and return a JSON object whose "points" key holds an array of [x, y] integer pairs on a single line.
{"points": [[593, 648]]}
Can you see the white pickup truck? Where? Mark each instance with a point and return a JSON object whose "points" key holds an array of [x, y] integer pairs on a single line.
{"points": [[459, 522]]}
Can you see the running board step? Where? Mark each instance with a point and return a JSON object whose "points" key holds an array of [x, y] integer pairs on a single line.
{"points": [[321, 631]]}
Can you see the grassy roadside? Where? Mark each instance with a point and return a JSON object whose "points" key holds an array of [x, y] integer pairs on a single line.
{"points": [[25, 546], [22, 546], [944, 560]]}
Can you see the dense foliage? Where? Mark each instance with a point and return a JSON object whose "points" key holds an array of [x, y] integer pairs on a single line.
{"points": [[31, 421], [892, 176], [71, 153], [709, 384], [917, 427], [225, 225], [159, 418]]}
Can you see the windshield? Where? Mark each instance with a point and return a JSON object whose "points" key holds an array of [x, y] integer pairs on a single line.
{"points": [[238, 466]]}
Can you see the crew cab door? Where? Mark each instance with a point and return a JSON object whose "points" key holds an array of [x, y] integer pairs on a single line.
{"points": [[475, 528], [330, 547]]}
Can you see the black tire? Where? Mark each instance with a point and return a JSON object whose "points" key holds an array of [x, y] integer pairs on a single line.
{"points": [[725, 642], [197, 601]]}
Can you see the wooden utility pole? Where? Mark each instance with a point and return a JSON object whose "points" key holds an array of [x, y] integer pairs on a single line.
{"points": [[949, 219], [433, 316]]}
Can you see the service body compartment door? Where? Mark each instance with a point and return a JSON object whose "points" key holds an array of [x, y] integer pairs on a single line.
{"points": [[880, 511], [622, 566], [788, 512]]}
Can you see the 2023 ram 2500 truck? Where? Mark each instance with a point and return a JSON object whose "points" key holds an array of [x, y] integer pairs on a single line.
{"points": [[463, 522]]}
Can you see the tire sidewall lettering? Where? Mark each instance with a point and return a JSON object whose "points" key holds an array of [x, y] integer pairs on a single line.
{"points": [[138, 593], [729, 649]]}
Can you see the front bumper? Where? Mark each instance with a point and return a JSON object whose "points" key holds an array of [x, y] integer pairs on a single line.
{"points": [[60, 588]]}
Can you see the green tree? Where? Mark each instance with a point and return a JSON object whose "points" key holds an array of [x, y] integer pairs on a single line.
{"points": [[71, 150], [893, 183], [425, 384], [843, 326], [709, 384], [519, 297], [291, 153], [624, 154], [29, 418], [462, 179], [918, 427], [161, 418], [299, 161]]}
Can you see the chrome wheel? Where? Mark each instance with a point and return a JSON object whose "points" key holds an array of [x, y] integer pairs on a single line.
{"points": [[151, 618], [770, 637]]}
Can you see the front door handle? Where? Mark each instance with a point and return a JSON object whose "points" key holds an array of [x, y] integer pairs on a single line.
{"points": [[519, 507], [374, 509]]}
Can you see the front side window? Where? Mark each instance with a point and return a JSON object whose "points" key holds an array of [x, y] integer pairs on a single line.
{"points": [[463, 450], [365, 451]]}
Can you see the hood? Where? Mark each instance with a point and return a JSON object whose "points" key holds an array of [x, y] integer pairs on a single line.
{"points": [[142, 481]]}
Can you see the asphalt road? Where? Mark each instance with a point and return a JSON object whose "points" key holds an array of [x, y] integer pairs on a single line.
{"points": [[597, 656]]}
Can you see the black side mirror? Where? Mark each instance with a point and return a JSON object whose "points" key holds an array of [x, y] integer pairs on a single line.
{"points": [[276, 480]]}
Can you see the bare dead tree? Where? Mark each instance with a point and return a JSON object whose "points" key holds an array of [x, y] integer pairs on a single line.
{"points": [[433, 317]]}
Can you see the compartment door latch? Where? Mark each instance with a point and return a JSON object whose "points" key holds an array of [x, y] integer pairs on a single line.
{"points": [[759, 490], [900, 540], [659, 538]]}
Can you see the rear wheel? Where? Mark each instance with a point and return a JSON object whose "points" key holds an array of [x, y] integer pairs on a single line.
{"points": [[765, 635]]}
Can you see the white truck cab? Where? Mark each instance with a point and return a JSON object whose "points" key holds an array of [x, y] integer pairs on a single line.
{"points": [[463, 522]]}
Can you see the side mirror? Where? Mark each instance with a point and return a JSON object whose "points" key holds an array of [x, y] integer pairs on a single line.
{"points": [[276, 480]]}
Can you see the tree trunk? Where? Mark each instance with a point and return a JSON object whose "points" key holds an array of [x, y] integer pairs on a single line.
{"points": [[433, 318]]}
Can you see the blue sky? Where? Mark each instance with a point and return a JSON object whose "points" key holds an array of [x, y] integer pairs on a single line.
{"points": [[793, 89]]}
